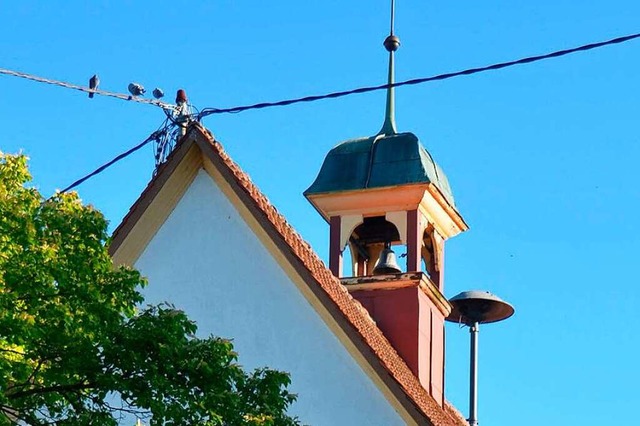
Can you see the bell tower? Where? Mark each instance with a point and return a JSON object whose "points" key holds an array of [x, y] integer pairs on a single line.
{"points": [[386, 192]]}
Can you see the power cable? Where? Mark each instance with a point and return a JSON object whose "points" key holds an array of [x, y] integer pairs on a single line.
{"points": [[152, 137], [209, 111], [85, 89]]}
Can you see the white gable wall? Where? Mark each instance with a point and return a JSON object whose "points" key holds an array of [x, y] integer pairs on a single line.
{"points": [[207, 261]]}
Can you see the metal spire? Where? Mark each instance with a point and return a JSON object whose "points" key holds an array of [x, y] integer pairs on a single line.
{"points": [[391, 43]]}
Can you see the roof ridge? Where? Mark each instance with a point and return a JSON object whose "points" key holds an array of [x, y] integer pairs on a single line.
{"points": [[357, 315]]}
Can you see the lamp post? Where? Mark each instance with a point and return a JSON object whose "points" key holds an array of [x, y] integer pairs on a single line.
{"points": [[473, 308]]}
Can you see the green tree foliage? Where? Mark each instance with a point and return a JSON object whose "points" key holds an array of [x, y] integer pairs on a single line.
{"points": [[76, 350]]}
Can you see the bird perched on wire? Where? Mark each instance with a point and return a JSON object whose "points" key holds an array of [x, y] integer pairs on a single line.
{"points": [[136, 89], [93, 84], [158, 93]]}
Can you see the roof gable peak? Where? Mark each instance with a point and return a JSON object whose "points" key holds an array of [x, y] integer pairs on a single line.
{"points": [[198, 149]]}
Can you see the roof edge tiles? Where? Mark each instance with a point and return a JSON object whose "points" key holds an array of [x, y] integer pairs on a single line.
{"points": [[379, 161], [357, 323]]}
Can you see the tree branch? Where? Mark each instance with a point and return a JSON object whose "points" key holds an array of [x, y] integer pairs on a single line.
{"points": [[57, 388]]}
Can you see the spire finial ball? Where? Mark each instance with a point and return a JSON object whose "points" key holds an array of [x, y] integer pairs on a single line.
{"points": [[391, 43]]}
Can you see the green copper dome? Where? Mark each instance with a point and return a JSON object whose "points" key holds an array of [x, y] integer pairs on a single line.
{"points": [[379, 161]]}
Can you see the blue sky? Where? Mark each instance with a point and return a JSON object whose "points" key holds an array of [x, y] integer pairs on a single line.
{"points": [[542, 158]]}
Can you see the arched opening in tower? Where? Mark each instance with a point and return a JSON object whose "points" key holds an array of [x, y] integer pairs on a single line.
{"points": [[367, 242], [431, 254]]}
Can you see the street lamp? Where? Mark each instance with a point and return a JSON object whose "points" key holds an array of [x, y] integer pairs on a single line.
{"points": [[473, 308]]}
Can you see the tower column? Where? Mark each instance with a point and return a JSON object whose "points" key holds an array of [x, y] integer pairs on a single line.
{"points": [[414, 241], [438, 242], [335, 249]]}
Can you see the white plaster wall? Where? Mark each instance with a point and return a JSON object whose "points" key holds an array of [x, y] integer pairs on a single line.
{"points": [[207, 261]]}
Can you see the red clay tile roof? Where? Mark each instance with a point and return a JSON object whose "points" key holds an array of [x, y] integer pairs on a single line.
{"points": [[356, 315]]}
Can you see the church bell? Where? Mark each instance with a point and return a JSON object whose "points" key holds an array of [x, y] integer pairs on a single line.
{"points": [[387, 263]]}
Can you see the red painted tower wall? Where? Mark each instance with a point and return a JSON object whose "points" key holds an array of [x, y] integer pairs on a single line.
{"points": [[415, 328]]}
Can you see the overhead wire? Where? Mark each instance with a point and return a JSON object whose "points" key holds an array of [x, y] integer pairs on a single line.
{"points": [[152, 137], [527, 60], [122, 96], [210, 111]]}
